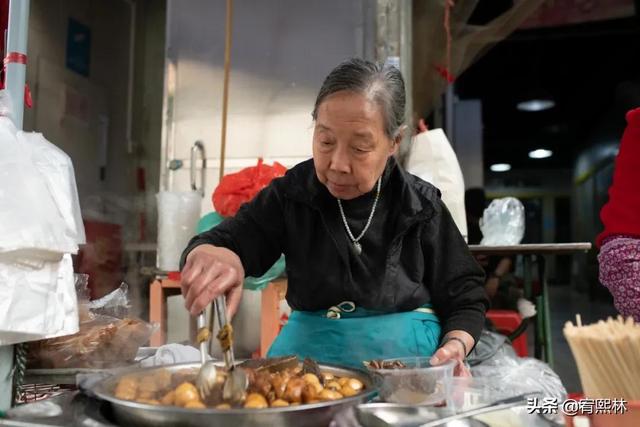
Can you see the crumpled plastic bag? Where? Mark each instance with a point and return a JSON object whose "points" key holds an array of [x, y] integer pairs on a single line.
{"points": [[238, 188], [103, 341], [503, 222], [169, 354], [505, 375]]}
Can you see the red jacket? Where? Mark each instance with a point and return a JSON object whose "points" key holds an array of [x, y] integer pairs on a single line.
{"points": [[621, 214]]}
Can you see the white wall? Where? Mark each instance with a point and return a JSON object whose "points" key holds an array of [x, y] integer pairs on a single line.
{"points": [[281, 52], [103, 93]]}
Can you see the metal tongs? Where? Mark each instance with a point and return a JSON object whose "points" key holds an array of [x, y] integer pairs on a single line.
{"points": [[236, 381]]}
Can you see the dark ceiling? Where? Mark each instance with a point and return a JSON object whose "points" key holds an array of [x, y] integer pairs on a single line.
{"points": [[591, 70]]}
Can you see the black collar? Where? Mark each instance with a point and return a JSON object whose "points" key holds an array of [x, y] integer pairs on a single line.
{"points": [[415, 195]]}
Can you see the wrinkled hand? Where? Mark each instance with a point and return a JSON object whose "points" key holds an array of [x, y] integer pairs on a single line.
{"points": [[452, 350], [209, 272]]}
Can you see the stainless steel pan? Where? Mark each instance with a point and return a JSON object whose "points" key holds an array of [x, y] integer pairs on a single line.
{"points": [[313, 415]]}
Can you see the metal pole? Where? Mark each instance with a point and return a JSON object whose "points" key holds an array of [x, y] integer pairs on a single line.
{"points": [[14, 83], [17, 43]]}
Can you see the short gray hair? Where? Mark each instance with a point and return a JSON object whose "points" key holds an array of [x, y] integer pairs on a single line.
{"points": [[384, 85]]}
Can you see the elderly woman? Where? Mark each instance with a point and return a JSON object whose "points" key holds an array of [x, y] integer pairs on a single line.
{"points": [[376, 266]]}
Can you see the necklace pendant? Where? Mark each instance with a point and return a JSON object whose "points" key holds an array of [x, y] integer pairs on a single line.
{"points": [[357, 247]]}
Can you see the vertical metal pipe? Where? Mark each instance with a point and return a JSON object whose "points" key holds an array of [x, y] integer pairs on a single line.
{"points": [[448, 114], [17, 42], [15, 78], [406, 66], [6, 380]]}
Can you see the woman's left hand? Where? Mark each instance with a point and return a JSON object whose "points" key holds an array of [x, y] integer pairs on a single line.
{"points": [[453, 349]]}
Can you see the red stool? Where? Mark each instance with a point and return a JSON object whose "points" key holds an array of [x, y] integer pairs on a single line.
{"points": [[507, 322]]}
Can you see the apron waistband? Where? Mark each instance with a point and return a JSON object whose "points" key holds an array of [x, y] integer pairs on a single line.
{"points": [[335, 312]]}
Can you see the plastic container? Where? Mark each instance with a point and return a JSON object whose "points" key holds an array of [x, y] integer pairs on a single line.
{"points": [[418, 383], [178, 215]]}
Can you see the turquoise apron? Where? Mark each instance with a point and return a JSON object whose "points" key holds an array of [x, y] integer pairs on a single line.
{"points": [[348, 335]]}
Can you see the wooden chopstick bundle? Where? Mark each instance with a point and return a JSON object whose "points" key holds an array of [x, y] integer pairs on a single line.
{"points": [[608, 357]]}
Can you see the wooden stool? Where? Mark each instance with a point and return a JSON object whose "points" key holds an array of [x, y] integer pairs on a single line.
{"points": [[270, 313], [160, 290]]}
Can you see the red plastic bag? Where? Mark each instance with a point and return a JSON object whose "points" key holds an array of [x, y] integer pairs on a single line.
{"points": [[238, 188]]}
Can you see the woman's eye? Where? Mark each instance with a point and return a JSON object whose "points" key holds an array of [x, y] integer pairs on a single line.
{"points": [[360, 150]]}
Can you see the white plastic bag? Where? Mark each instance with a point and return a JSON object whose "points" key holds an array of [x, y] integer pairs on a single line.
{"points": [[178, 215], [30, 226], [503, 222], [37, 303], [40, 226], [56, 169], [432, 159]]}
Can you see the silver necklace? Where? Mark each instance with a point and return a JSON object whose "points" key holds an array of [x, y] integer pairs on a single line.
{"points": [[355, 241]]}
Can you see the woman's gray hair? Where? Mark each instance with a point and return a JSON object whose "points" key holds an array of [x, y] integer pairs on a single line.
{"points": [[383, 85]]}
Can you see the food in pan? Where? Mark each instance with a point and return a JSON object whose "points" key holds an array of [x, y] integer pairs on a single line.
{"points": [[384, 364], [268, 388]]}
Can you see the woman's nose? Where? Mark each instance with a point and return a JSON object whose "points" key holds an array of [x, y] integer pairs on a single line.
{"points": [[340, 161]]}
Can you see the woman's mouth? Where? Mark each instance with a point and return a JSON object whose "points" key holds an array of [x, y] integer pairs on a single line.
{"points": [[337, 185]]}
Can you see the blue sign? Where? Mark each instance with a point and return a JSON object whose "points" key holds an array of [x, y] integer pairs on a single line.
{"points": [[78, 47]]}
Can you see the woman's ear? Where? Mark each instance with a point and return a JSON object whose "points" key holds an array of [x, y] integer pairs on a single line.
{"points": [[395, 144]]}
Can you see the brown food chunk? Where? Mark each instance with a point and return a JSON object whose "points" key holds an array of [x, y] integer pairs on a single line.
{"points": [[255, 401], [309, 393], [279, 403], [261, 383], [127, 388], [169, 398], [327, 394], [185, 393], [348, 391], [293, 393]]}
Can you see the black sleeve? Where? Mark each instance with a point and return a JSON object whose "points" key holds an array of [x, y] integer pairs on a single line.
{"points": [[454, 278], [255, 233]]}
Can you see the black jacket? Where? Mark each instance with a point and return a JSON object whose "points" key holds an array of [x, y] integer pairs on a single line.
{"points": [[413, 253]]}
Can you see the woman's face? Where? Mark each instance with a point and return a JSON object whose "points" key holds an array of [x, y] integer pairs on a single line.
{"points": [[350, 147]]}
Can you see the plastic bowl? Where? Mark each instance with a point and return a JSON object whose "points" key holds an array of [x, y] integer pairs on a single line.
{"points": [[418, 383]]}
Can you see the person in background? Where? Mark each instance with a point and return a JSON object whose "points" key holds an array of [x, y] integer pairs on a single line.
{"points": [[501, 284], [376, 266], [619, 242]]}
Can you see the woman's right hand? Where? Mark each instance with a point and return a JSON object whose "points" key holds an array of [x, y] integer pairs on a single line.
{"points": [[209, 272]]}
